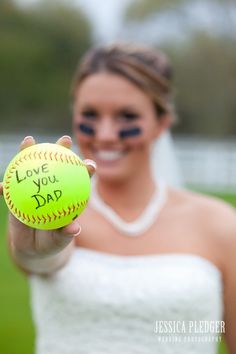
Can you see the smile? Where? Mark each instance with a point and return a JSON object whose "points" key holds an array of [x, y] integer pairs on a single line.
{"points": [[109, 155]]}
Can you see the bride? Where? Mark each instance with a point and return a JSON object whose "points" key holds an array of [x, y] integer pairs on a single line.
{"points": [[143, 254]]}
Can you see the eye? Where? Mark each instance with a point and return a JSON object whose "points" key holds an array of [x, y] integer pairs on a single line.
{"points": [[128, 115], [89, 114]]}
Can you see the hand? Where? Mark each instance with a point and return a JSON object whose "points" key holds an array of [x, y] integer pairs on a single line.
{"points": [[32, 242]]}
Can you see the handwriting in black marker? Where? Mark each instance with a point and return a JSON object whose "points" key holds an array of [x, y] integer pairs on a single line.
{"points": [[29, 173], [42, 200]]}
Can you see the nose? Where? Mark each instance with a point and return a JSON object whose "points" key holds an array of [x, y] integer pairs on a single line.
{"points": [[106, 130]]}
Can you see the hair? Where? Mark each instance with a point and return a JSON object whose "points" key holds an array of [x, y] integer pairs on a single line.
{"points": [[144, 66]]}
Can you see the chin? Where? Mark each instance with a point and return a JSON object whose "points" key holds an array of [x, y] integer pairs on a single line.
{"points": [[112, 175]]}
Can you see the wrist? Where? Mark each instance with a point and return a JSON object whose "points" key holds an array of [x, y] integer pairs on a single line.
{"points": [[41, 263]]}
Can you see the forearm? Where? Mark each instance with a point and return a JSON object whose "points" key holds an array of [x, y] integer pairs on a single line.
{"points": [[40, 264]]}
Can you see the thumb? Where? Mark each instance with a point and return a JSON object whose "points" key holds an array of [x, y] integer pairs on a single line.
{"points": [[72, 229]]}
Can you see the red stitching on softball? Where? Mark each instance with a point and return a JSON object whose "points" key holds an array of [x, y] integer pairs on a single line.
{"points": [[7, 196], [45, 218], [64, 212], [47, 155]]}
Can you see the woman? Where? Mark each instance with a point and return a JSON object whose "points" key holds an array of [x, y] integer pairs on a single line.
{"points": [[147, 252]]}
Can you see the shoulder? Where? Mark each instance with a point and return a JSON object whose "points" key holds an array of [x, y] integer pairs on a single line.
{"points": [[216, 216], [204, 203]]}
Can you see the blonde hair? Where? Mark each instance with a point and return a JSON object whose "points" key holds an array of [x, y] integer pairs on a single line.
{"points": [[146, 67]]}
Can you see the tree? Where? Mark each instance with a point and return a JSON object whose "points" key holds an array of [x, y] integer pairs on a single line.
{"points": [[205, 82], [204, 62], [141, 9], [39, 49]]}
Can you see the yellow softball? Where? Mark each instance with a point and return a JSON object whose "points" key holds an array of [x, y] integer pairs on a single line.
{"points": [[46, 186]]}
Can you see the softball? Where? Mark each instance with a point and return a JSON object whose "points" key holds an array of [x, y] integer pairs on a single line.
{"points": [[46, 186]]}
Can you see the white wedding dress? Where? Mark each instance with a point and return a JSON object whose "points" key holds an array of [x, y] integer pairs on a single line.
{"points": [[102, 303]]}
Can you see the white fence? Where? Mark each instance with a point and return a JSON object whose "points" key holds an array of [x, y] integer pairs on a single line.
{"points": [[204, 164]]}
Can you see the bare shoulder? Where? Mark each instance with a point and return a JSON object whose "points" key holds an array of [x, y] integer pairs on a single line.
{"points": [[217, 216]]}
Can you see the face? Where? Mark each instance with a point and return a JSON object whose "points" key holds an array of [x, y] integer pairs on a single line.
{"points": [[115, 124]]}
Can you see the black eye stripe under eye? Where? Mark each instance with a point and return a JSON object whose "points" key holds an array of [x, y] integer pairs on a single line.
{"points": [[86, 129], [126, 133]]}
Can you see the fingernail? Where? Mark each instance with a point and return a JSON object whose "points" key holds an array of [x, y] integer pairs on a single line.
{"points": [[28, 137], [90, 163], [77, 233], [66, 137]]}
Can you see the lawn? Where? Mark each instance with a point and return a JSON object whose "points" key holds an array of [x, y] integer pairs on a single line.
{"points": [[16, 327]]}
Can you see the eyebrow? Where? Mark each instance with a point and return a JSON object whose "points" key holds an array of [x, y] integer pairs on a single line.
{"points": [[87, 107], [128, 108]]}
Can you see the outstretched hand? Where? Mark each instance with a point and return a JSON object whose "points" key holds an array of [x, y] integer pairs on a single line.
{"points": [[34, 242]]}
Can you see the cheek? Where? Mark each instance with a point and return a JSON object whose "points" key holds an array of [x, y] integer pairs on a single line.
{"points": [[132, 137], [134, 132], [135, 137], [84, 132]]}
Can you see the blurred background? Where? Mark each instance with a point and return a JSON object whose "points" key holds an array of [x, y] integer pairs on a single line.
{"points": [[41, 43]]}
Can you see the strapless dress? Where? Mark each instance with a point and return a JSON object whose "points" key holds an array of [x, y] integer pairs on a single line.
{"points": [[101, 303]]}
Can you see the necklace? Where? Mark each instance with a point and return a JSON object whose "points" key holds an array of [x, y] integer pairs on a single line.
{"points": [[143, 222]]}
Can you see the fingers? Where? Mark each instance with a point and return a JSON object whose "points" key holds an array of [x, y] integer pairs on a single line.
{"points": [[1, 189], [91, 166], [28, 141], [65, 141], [72, 229]]}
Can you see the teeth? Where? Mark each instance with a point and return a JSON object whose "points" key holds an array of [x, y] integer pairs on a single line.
{"points": [[109, 155]]}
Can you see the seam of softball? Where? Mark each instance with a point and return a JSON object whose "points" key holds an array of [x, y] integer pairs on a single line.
{"points": [[50, 156], [47, 156], [38, 219]]}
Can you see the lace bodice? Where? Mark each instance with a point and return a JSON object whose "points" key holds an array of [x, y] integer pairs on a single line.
{"points": [[102, 303]]}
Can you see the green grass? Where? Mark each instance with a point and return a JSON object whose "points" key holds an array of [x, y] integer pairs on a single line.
{"points": [[229, 198], [16, 327]]}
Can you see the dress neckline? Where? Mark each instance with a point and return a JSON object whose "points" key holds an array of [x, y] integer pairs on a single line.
{"points": [[143, 222], [139, 258]]}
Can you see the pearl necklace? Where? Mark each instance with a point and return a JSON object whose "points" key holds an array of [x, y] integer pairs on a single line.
{"points": [[143, 222]]}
